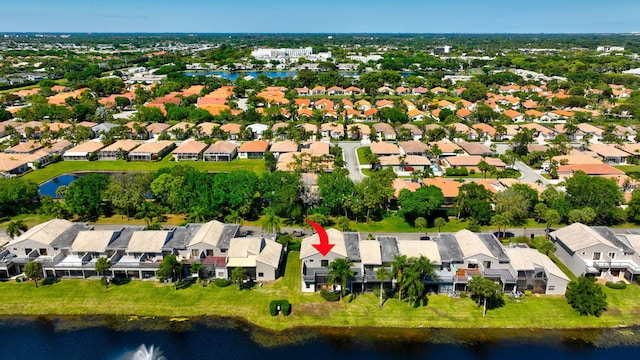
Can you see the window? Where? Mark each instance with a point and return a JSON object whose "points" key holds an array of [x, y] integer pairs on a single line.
{"points": [[486, 264], [223, 250], [27, 251], [43, 252], [612, 255], [260, 274], [308, 285], [195, 252], [551, 288], [596, 256], [473, 266], [209, 252], [324, 263]]}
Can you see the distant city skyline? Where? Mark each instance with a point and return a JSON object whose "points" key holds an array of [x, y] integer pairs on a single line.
{"points": [[329, 16]]}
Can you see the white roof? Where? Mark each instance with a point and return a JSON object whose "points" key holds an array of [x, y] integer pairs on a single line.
{"points": [[370, 252], [579, 236], [150, 241], [270, 254], [92, 241], [417, 248], [335, 237], [471, 244], [523, 259], [209, 233], [45, 233]]}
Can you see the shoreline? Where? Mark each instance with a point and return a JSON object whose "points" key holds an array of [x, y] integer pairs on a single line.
{"points": [[597, 337]]}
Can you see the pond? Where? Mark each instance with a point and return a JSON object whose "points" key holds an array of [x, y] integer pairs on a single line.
{"points": [[209, 338], [50, 187]]}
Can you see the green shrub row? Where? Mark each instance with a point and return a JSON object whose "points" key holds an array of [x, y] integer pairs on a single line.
{"points": [[457, 172], [222, 282], [618, 285], [285, 307], [329, 295]]}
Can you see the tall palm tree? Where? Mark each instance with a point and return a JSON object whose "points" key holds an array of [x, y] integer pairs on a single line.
{"points": [[148, 212], [398, 268], [15, 228], [382, 274], [271, 223], [340, 272]]}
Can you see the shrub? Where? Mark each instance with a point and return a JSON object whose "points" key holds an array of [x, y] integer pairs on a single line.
{"points": [[50, 281], [617, 285], [329, 295], [222, 282], [273, 308], [472, 171], [457, 172], [285, 307]]}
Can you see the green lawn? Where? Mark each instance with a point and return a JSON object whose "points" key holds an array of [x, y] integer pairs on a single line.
{"points": [[42, 175], [361, 158], [148, 298]]}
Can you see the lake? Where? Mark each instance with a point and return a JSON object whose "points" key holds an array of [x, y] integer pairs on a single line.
{"points": [[209, 338], [49, 188]]}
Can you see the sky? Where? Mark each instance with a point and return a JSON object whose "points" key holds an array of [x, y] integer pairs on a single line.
{"points": [[326, 16]]}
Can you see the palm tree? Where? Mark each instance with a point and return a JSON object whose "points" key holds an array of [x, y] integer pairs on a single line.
{"points": [[148, 212], [198, 214], [340, 272], [420, 223], [234, 218], [382, 274], [271, 223], [413, 284], [15, 228], [439, 223], [398, 267]]}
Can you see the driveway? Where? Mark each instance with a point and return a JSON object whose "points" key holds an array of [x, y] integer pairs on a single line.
{"points": [[528, 174], [351, 159]]}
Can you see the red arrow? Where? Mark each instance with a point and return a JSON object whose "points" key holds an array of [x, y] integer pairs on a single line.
{"points": [[324, 247]]}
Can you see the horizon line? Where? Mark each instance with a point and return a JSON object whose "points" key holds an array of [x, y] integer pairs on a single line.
{"points": [[317, 33]]}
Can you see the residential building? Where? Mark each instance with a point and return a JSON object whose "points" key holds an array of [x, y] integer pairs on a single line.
{"points": [[152, 151]]}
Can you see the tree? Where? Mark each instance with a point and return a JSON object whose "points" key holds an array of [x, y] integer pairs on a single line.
{"points": [[238, 275], [33, 270], [122, 102], [127, 191], [439, 223], [271, 223], [15, 228], [398, 267], [343, 223], [17, 196], [586, 296], [84, 196], [413, 279], [382, 274], [551, 217], [513, 202], [633, 210], [102, 265], [147, 211], [420, 223], [340, 272], [484, 167], [600, 194], [170, 268], [270, 161], [502, 221], [484, 290], [420, 203], [585, 216], [336, 189]]}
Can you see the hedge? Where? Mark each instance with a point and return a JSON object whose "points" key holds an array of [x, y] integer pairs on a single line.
{"points": [[222, 282], [457, 172], [618, 285], [329, 295], [285, 307]]}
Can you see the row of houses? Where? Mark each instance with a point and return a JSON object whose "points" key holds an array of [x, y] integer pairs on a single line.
{"points": [[456, 258], [67, 249]]}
